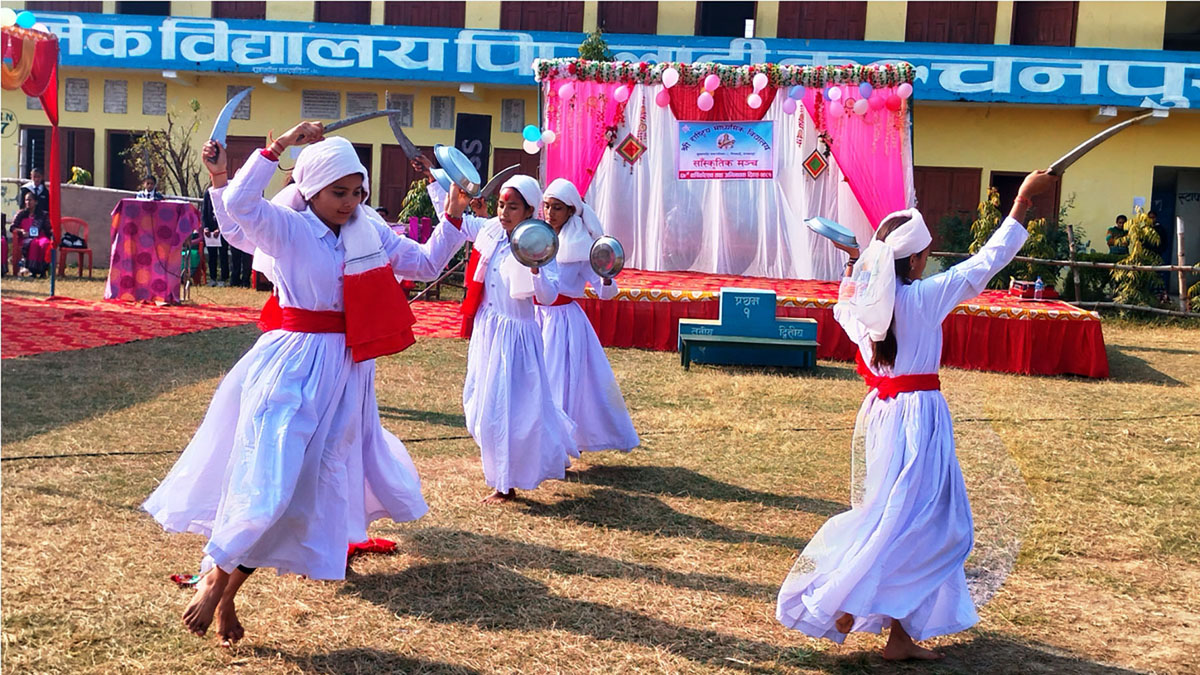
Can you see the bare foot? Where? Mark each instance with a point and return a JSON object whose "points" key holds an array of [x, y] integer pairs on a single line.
{"points": [[229, 629], [900, 647], [499, 497], [844, 623], [199, 612]]}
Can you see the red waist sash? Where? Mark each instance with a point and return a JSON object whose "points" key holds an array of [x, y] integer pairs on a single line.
{"points": [[296, 320], [889, 387], [558, 302]]}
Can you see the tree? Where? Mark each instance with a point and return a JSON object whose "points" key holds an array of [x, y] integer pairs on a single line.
{"points": [[1135, 287], [171, 155], [595, 47], [417, 203]]}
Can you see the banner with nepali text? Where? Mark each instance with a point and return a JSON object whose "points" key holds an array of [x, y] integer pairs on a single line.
{"points": [[726, 150]]}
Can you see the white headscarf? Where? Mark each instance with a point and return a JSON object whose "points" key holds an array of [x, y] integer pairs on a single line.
{"points": [[581, 230], [871, 293], [493, 235], [530, 191]]}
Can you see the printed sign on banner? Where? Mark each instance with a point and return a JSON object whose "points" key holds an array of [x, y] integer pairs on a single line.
{"points": [[726, 150]]}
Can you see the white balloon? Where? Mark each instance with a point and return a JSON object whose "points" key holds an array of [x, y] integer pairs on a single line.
{"points": [[549, 137], [531, 147]]}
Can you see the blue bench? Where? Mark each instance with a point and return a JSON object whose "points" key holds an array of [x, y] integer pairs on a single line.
{"points": [[747, 333]]}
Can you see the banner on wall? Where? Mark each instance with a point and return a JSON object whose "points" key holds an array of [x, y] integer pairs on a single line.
{"points": [[726, 150]]}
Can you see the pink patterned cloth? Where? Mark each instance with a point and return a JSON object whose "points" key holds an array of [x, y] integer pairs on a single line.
{"points": [[147, 244], [580, 124]]}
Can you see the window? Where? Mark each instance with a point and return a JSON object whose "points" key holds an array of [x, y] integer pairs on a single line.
{"points": [[321, 105], [555, 16], [358, 102], [409, 13], [403, 103], [120, 176], [960, 22], [343, 12], [628, 17], [512, 115], [238, 9], [144, 8], [116, 96], [441, 112], [77, 95], [1045, 204], [154, 98], [76, 147], [948, 197], [67, 7], [1051, 24], [723, 19], [822, 20], [1182, 27]]}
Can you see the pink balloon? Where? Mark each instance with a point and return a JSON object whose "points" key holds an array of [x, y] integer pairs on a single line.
{"points": [[662, 98], [893, 102], [904, 90], [789, 106], [861, 106], [754, 101], [705, 101], [837, 110], [670, 77], [712, 82], [877, 101], [622, 94], [760, 82], [835, 94], [567, 90]]}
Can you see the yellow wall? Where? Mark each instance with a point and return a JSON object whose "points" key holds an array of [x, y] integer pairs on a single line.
{"points": [[270, 109], [1012, 138], [1121, 25], [1004, 10], [885, 21], [766, 19], [677, 18], [483, 15]]}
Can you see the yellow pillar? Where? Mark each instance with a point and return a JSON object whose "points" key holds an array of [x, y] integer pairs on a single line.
{"points": [[591, 15], [1004, 15], [483, 15], [766, 19], [377, 9], [196, 8], [885, 21], [291, 11], [677, 18]]}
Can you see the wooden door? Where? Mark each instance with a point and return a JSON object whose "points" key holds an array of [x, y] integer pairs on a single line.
{"points": [[1050, 24], [503, 158], [947, 193], [552, 16], [239, 9], [614, 16], [409, 13], [343, 11], [1045, 205], [395, 178], [959, 22], [239, 148], [822, 20]]}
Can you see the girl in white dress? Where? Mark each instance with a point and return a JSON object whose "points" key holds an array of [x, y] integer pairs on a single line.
{"points": [[524, 437], [896, 558], [291, 463], [582, 379]]}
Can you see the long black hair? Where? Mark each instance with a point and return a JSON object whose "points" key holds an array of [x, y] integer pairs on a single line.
{"points": [[883, 352]]}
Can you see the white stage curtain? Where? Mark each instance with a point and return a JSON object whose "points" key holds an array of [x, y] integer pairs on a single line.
{"points": [[738, 227]]}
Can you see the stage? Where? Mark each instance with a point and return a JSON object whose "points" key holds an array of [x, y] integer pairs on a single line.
{"points": [[994, 331]]}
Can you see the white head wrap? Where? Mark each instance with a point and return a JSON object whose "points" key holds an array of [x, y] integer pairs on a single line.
{"points": [[581, 230], [530, 191], [871, 293]]}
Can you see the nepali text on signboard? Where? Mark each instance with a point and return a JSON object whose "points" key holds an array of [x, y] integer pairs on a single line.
{"points": [[726, 150]]}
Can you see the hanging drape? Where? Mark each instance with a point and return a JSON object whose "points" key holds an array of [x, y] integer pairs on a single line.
{"points": [[31, 65], [580, 123]]}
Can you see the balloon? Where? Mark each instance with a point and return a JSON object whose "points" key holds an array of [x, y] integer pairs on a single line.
{"points": [[760, 82], [789, 106], [531, 147], [754, 101], [25, 19], [41, 27], [622, 94], [531, 133], [670, 77], [705, 101], [796, 93], [893, 102], [662, 98], [539, 143], [837, 110], [835, 93], [904, 90], [548, 137], [567, 90], [861, 106], [877, 101], [7, 17], [712, 82], [865, 89], [826, 91]]}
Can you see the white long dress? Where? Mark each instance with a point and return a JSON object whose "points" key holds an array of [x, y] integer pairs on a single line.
{"points": [[899, 552], [524, 437], [291, 463], [580, 376]]}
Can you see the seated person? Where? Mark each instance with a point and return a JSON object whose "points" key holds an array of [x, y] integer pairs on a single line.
{"points": [[150, 189], [34, 230]]}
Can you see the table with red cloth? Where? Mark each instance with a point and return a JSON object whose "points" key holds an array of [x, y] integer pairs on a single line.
{"points": [[147, 249], [994, 331]]}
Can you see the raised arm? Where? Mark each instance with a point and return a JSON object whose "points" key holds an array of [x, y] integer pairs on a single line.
{"points": [[423, 262]]}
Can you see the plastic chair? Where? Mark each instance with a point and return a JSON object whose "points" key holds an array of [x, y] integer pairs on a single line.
{"points": [[79, 228]]}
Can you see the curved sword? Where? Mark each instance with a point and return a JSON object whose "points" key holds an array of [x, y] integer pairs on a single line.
{"points": [[221, 126], [1057, 168]]}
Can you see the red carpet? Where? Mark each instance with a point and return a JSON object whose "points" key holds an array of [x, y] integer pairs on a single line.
{"points": [[33, 326]]}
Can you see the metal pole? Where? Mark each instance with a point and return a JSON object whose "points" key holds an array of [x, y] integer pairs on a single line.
{"points": [[1179, 256], [54, 268], [1071, 253]]}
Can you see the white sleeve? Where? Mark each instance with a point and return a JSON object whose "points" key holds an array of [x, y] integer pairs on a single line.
{"points": [[545, 284], [230, 230], [423, 262], [941, 293], [438, 196], [853, 327], [271, 227]]}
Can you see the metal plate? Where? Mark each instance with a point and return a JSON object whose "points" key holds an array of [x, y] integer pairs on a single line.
{"points": [[835, 231], [534, 243], [607, 257], [459, 169]]}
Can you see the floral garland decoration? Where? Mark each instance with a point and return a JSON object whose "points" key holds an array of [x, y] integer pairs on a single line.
{"points": [[882, 75]]}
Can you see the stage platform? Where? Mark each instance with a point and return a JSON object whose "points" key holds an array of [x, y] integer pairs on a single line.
{"points": [[994, 331]]}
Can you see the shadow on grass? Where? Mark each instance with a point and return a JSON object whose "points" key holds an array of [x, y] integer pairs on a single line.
{"points": [[649, 515], [57, 389], [449, 545], [489, 596], [1124, 367], [388, 412], [678, 481], [362, 660]]}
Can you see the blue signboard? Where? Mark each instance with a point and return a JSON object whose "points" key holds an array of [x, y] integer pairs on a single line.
{"points": [[945, 72]]}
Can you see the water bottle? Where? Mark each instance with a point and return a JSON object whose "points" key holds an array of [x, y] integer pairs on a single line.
{"points": [[1038, 287]]}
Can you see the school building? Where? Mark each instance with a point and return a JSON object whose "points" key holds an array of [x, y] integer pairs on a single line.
{"points": [[1003, 87]]}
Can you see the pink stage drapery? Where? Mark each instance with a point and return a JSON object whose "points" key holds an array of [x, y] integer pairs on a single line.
{"points": [[580, 123], [868, 149]]}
